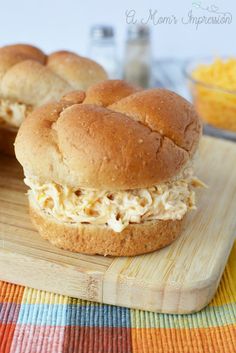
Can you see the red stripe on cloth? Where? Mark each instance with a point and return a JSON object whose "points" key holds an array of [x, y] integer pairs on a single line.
{"points": [[6, 336], [97, 339]]}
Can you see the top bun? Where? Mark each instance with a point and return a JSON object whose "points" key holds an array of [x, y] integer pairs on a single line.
{"points": [[113, 137], [29, 76]]}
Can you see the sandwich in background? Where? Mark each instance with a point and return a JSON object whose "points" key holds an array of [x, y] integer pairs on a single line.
{"points": [[30, 78]]}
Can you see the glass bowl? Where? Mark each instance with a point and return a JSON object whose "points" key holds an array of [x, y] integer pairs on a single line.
{"points": [[215, 105]]}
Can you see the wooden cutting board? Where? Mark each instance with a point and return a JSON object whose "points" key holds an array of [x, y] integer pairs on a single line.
{"points": [[181, 278]]}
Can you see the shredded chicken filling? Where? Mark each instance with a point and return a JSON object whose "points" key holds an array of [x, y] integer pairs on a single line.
{"points": [[13, 113], [116, 209]]}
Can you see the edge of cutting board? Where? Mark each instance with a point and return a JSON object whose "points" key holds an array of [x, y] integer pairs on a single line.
{"points": [[134, 282]]}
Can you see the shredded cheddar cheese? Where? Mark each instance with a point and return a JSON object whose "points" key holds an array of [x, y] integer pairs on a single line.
{"points": [[214, 93]]}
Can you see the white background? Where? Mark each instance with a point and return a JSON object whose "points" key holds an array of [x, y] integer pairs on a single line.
{"points": [[54, 24]]}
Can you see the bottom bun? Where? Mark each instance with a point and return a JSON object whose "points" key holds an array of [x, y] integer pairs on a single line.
{"points": [[135, 239], [7, 139]]}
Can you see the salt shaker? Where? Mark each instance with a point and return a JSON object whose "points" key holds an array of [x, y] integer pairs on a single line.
{"points": [[137, 63], [102, 49]]}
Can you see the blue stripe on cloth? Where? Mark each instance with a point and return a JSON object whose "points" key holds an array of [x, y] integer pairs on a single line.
{"points": [[111, 316], [74, 315]]}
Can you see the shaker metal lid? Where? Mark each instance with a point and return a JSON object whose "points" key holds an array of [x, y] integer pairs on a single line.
{"points": [[101, 32], [137, 31]]}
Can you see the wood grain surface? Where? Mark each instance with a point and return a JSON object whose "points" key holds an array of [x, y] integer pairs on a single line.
{"points": [[180, 278]]}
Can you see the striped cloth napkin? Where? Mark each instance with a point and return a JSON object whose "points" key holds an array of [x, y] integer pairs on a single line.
{"points": [[33, 321]]}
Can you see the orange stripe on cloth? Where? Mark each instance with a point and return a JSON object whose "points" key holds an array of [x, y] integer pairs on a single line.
{"points": [[204, 340], [11, 293]]}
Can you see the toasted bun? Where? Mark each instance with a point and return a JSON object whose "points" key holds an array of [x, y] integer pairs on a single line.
{"points": [[136, 239], [27, 75], [140, 140], [79, 72], [25, 50], [108, 92]]}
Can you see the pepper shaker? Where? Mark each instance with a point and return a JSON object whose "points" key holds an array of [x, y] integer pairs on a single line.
{"points": [[137, 63]]}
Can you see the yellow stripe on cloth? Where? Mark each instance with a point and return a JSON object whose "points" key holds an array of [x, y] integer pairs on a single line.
{"points": [[226, 293], [35, 296]]}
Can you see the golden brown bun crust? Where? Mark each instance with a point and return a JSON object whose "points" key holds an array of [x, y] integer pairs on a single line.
{"points": [[29, 51], [80, 72], [166, 112], [89, 146], [29, 76], [134, 240], [118, 89], [74, 97], [37, 87], [7, 138]]}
